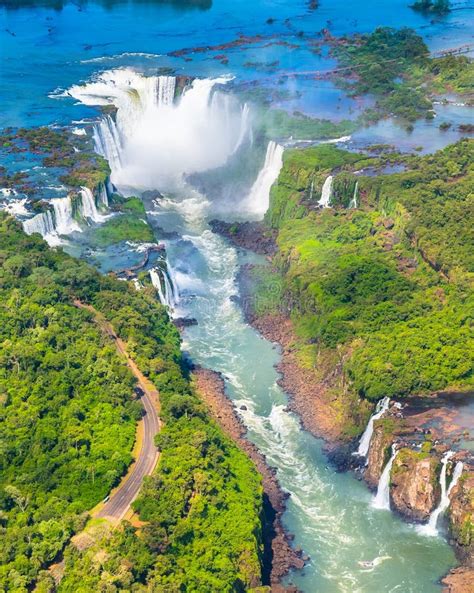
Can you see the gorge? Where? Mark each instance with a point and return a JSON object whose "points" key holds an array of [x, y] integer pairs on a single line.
{"points": [[317, 334]]}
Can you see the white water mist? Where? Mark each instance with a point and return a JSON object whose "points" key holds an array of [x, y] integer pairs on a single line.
{"points": [[156, 137]]}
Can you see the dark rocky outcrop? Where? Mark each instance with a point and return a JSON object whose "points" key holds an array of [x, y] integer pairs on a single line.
{"points": [[247, 235]]}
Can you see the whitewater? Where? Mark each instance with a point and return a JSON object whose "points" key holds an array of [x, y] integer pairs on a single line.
{"points": [[156, 140]]}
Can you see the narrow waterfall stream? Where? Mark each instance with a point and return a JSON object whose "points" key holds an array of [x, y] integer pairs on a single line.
{"points": [[431, 528], [364, 443], [382, 498], [326, 192], [329, 513]]}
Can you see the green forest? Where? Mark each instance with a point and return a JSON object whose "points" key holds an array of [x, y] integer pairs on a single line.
{"points": [[386, 286], [69, 414]]}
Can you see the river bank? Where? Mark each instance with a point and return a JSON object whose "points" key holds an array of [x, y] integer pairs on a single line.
{"points": [[414, 490], [279, 555]]}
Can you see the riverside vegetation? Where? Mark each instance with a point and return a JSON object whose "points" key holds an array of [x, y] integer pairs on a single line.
{"points": [[383, 290], [69, 413], [394, 66]]}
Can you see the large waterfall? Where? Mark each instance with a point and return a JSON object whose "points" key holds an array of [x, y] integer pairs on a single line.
{"points": [[156, 138], [382, 498], [259, 197], [364, 443], [43, 224], [63, 216], [326, 192], [431, 527]]}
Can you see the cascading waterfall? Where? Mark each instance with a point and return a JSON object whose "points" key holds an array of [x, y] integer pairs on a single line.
{"points": [[63, 216], [353, 202], [107, 142], [382, 498], [364, 443], [259, 197], [156, 139], [326, 192], [103, 197], [43, 224], [431, 527], [89, 209], [164, 283]]}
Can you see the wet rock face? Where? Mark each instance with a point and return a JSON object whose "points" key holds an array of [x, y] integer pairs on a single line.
{"points": [[377, 457], [414, 487], [461, 516]]}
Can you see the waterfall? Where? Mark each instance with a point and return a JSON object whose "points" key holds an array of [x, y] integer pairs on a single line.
{"points": [[16, 207], [164, 283], [155, 139], [382, 498], [326, 192], [430, 527], [364, 443], [353, 202], [103, 197], [107, 142], [65, 223], [88, 206], [43, 224], [259, 197]]}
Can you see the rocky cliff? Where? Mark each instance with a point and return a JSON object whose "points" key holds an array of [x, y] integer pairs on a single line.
{"points": [[461, 516], [379, 452], [415, 490]]}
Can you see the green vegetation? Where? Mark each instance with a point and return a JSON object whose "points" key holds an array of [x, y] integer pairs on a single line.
{"points": [[125, 227], [432, 6], [68, 423], [279, 124], [394, 66], [80, 167], [388, 285]]}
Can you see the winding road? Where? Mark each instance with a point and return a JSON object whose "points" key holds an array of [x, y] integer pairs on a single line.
{"points": [[122, 497]]}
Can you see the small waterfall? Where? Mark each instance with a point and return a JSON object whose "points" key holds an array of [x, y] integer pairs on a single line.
{"points": [[364, 443], [65, 223], [88, 206], [326, 192], [382, 498], [430, 527], [43, 224], [164, 283], [103, 197], [259, 197], [353, 202], [16, 207]]}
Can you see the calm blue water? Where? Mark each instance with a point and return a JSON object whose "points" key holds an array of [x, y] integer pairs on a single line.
{"points": [[48, 48], [44, 49]]}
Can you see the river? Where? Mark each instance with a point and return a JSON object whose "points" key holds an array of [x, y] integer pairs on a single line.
{"points": [[329, 513]]}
